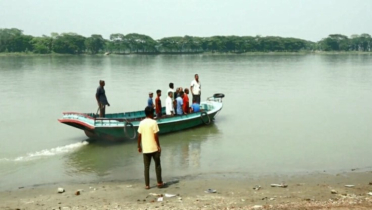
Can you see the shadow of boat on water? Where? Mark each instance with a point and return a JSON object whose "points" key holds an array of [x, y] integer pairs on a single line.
{"points": [[102, 159]]}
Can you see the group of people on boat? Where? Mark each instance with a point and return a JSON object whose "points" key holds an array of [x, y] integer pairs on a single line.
{"points": [[177, 101]]}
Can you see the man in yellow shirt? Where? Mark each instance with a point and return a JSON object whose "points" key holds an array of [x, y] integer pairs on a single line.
{"points": [[148, 144]]}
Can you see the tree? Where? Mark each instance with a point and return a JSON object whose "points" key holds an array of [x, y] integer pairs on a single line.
{"points": [[13, 40], [365, 42], [95, 43], [140, 43], [117, 43], [42, 45], [69, 43], [335, 42], [215, 43], [171, 44]]}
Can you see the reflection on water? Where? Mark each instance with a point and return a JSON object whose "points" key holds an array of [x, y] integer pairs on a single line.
{"points": [[184, 149], [333, 59], [181, 152]]}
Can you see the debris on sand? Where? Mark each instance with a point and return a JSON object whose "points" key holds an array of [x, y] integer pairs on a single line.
{"points": [[257, 207], [257, 187], [169, 195], [210, 191], [77, 192], [279, 185]]}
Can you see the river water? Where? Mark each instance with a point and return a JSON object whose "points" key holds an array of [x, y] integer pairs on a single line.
{"points": [[282, 115]]}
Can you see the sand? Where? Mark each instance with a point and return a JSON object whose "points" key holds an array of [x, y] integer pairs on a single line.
{"points": [[303, 192]]}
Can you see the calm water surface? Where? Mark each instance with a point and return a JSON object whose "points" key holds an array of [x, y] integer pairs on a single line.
{"points": [[282, 115]]}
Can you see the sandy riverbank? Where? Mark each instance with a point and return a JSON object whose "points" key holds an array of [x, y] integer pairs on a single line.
{"points": [[303, 192]]}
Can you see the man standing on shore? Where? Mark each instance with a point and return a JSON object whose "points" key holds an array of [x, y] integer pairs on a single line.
{"points": [[195, 89], [101, 99], [148, 144]]}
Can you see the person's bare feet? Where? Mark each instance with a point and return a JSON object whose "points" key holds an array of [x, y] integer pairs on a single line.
{"points": [[147, 187]]}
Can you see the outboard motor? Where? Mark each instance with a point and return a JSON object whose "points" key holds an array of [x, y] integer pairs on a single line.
{"points": [[216, 97]]}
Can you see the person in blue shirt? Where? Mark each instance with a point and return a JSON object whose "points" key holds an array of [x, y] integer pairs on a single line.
{"points": [[150, 103], [195, 107], [179, 101]]}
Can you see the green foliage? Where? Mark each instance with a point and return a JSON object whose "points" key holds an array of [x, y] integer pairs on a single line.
{"points": [[171, 44], [116, 43], [69, 43], [95, 43], [13, 40], [132, 43], [338, 42], [42, 45]]}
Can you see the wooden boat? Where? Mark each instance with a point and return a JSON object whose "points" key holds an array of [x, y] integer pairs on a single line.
{"points": [[121, 126]]}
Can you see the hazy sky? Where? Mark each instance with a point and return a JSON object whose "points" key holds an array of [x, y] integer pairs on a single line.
{"points": [[306, 19]]}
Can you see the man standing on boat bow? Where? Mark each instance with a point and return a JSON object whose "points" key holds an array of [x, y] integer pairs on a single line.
{"points": [[195, 89], [101, 99]]}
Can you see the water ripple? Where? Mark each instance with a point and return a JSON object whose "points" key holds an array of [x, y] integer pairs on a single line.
{"points": [[47, 152]]}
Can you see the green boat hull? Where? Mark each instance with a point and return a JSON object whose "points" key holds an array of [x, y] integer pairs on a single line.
{"points": [[130, 132], [124, 126]]}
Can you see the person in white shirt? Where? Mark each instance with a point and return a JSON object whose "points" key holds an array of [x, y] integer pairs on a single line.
{"points": [[171, 88], [195, 89], [169, 106]]}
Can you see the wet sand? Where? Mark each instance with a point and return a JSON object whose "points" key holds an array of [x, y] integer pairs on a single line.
{"points": [[303, 192]]}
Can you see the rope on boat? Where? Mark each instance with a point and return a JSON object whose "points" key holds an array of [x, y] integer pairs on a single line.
{"points": [[126, 129], [202, 114]]}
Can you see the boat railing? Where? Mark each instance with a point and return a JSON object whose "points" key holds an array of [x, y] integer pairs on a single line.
{"points": [[79, 114], [117, 119]]}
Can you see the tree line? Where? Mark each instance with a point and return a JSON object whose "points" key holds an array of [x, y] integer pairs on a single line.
{"points": [[13, 40]]}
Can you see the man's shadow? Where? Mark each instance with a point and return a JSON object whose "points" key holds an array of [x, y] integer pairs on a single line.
{"points": [[169, 183]]}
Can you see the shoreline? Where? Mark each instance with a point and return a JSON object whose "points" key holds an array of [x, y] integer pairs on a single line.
{"points": [[313, 191], [192, 53]]}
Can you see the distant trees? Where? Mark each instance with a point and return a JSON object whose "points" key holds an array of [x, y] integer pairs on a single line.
{"points": [[338, 42], [361, 42], [69, 43], [231, 44], [137, 43], [94, 43], [42, 45], [13, 40]]}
